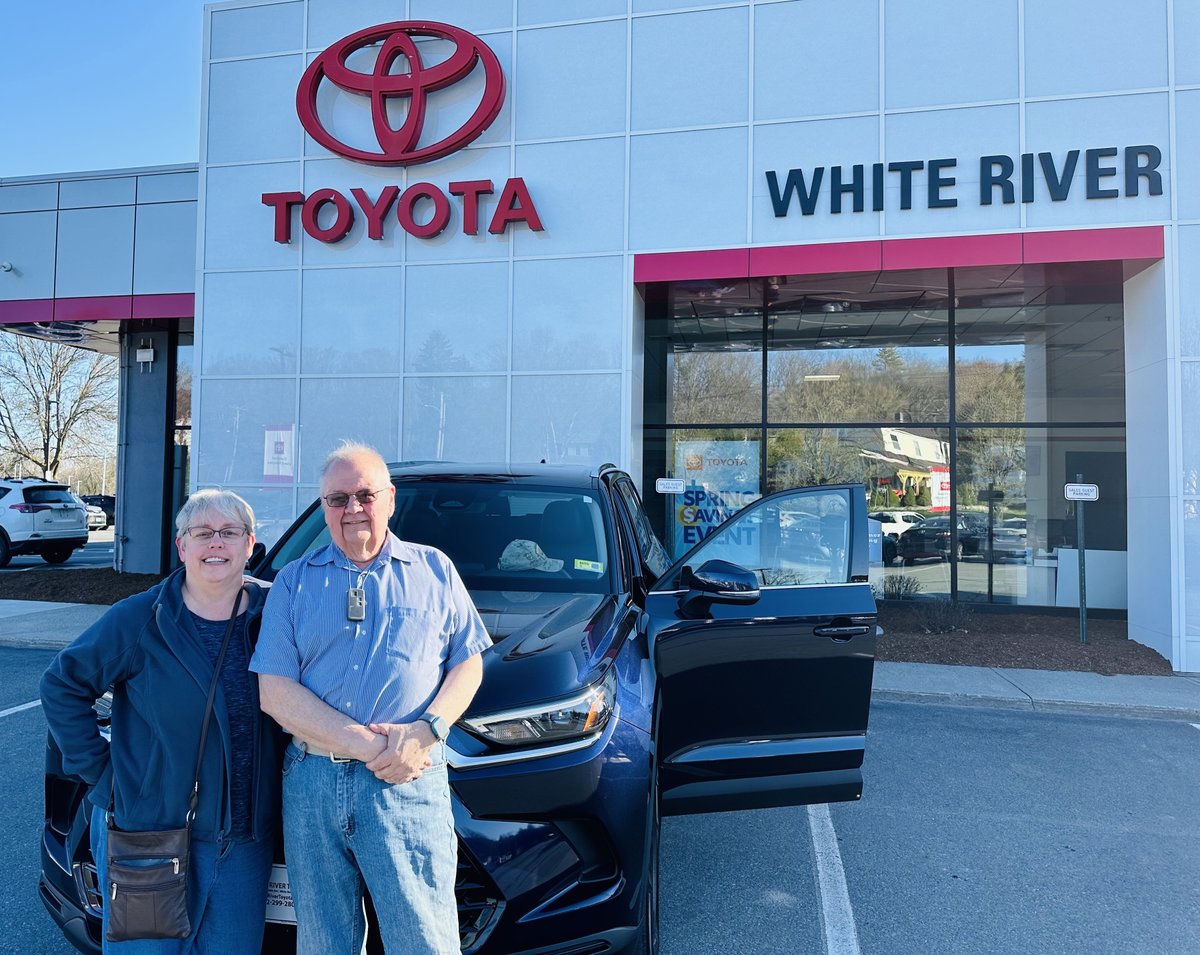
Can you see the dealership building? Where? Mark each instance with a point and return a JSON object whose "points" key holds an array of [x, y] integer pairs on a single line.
{"points": [[947, 249]]}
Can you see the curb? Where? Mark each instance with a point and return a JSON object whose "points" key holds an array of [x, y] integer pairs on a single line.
{"points": [[1125, 710]]}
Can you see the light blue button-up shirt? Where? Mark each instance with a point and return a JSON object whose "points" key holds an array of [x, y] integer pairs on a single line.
{"points": [[419, 624]]}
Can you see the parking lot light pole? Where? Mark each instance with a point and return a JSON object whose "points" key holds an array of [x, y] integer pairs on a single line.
{"points": [[46, 440]]}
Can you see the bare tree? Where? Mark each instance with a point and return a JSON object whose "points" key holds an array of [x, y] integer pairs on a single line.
{"points": [[55, 400]]}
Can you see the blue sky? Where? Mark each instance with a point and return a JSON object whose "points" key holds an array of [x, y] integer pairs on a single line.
{"points": [[103, 84]]}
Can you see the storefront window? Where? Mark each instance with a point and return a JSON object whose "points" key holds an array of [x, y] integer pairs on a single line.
{"points": [[707, 353], [858, 348], [1040, 344], [961, 399], [1018, 540]]}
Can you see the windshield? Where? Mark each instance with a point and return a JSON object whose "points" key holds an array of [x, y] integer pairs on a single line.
{"points": [[500, 536]]}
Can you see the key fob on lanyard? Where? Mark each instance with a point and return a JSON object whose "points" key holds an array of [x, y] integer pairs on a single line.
{"points": [[356, 604]]}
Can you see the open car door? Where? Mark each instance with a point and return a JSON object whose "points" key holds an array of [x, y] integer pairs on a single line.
{"points": [[763, 642]]}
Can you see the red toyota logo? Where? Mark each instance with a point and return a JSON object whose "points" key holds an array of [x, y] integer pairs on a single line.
{"points": [[399, 146]]}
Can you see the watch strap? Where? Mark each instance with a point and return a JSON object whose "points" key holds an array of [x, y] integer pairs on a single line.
{"points": [[437, 725]]}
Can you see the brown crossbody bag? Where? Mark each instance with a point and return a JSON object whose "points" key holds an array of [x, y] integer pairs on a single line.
{"points": [[148, 871]]}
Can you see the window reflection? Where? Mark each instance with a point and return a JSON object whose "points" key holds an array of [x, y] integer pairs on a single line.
{"points": [[1040, 343], [964, 464]]}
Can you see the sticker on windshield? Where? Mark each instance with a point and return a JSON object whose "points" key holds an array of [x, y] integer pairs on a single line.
{"points": [[593, 565]]}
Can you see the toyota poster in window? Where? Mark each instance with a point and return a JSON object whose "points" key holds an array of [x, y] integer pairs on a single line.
{"points": [[721, 478]]}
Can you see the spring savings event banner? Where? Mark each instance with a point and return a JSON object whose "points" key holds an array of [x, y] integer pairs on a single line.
{"points": [[722, 478]]}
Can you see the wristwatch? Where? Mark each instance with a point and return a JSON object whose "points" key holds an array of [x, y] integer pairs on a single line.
{"points": [[436, 724]]}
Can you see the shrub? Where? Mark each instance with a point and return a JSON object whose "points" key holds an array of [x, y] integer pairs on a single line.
{"points": [[898, 587], [942, 615], [924, 499]]}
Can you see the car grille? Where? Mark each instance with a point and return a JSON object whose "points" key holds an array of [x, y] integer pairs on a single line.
{"points": [[478, 901]]}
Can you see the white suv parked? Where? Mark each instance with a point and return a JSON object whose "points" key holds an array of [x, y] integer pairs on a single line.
{"points": [[896, 523], [39, 517]]}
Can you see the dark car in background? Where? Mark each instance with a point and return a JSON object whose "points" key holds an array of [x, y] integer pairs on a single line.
{"points": [[107, 503], [621, 688], [932, 540]]}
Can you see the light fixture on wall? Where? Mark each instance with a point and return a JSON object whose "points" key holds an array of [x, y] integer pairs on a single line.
{"points": [[145, 355], [6, 266]]}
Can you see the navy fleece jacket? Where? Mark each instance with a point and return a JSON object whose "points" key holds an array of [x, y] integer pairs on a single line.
{"points": [[159, 674]]}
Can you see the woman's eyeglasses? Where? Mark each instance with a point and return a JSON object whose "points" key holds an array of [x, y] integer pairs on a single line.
{"points": [[225, 533], [336, 499]]}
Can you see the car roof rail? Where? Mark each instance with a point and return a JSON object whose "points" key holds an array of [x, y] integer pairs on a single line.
{"points": [[416, 463], [606, 466]]}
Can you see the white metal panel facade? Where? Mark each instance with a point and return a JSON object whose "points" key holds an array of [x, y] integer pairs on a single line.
{"points": [[648, 125]]}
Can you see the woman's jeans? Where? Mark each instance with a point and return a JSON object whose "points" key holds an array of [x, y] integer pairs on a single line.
{"points": [[227, 897], [343, 828]]}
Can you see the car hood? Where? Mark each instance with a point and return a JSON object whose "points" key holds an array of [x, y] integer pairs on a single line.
{"points": [[546, 645]]}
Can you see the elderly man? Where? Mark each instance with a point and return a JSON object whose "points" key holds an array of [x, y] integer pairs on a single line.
{"points": [[369, 651]]}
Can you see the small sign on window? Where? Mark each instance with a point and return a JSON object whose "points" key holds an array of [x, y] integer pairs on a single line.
{"points": [[670, 485]]}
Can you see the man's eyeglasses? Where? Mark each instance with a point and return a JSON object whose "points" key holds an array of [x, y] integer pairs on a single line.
{"points": [[336, 499], [227, 534]]}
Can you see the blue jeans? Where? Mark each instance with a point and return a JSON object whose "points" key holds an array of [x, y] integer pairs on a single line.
{"points": [[344, 829], [227, 897]]}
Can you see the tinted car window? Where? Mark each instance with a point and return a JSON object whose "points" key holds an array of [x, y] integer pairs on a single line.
{"points": [[654, 555], [500, 536], [46, 494]]}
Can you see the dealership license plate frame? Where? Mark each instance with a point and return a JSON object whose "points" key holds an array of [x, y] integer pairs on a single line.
{"points": [[280, 910]]}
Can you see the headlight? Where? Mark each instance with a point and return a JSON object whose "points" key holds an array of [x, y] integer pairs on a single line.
{"points": [[584, 714]]}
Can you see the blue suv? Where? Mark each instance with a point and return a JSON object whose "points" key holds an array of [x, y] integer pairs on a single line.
{"points": [[622, 687]]}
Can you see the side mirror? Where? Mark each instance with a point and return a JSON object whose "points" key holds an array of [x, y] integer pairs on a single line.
{"points": [[717, 581]]}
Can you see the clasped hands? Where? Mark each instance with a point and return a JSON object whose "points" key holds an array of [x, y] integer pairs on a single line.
{"points": [[404, 751]]}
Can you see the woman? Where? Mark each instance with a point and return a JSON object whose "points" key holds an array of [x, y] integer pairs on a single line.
{"points": [[157, 652]]}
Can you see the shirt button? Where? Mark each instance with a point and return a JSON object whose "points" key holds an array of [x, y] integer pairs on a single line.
{"points": [[356, 666], [347, 702]]}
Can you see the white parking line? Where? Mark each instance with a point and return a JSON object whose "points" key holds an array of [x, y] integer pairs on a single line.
{"points": [[1196, 725], [17, 709], [837, 916]]}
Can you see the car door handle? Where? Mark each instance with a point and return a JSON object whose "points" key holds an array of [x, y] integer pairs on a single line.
{"points": [[841, 633]]}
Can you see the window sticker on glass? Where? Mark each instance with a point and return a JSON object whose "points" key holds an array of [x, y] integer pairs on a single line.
{"points": [[592, 565]]}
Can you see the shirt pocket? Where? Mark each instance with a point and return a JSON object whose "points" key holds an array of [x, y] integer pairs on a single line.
{"points": [[414, 635]]}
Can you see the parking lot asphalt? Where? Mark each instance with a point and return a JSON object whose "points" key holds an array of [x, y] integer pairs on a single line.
{"points": [[25, 623]]}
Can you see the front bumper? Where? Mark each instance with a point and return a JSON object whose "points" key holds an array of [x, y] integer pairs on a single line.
{"points": [[552, 853], [38, 544], [563, 841]]}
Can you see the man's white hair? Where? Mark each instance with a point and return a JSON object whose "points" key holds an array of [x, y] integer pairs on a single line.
{"points": [[352, 452]]}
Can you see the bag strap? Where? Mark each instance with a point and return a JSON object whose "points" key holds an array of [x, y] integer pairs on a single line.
{"points": [[194, 799]]}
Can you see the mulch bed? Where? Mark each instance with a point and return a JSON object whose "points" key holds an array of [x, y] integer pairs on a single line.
{"points": [[1031, 640], [1027, 639], [87, 585]]}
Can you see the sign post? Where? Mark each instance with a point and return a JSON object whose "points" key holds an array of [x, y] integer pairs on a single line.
{"points": [[992, 495], [1079, 493]]}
